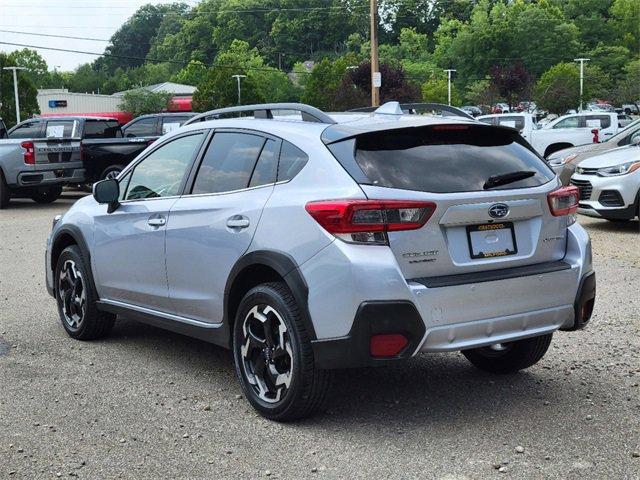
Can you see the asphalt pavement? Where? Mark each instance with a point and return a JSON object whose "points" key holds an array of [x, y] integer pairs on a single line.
{"points": [[149, 404]]}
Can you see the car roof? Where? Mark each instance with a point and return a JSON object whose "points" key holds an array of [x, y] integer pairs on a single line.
{"points": [[72, 117]]}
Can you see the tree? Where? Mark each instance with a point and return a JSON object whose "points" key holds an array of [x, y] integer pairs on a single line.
{"points": [[132, 42], [436, 90], [30, 59], [626, 20], [395, 85], [192, 74], [323, 82], [628, 89], [141, 102], [26, 90], [558, 89], [510, 81], [482, 92]]}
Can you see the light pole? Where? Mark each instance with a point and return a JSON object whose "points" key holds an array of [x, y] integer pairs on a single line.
{"points": [[449, 70], [238, 77], [581, 60], [375, 74], [15, 88]]}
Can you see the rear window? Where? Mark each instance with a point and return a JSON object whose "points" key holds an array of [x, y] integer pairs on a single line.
{"points": [[443, 159], [101, 129]]}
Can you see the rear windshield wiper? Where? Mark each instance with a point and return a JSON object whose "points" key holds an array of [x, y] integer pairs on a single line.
{"points": [[506, 178]]}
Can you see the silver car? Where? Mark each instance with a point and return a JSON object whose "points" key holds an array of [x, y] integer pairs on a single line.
{"points": [[306, 245]]}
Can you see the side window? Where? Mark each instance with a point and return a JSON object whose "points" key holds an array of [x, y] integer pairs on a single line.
{"points": [[292, 159], [145, 127], [598, 121], [61, 129], [490, 120], [570, 122], [171, 123], [513, 122], [161, 173], [228, 163], [267, 167], [101, 129], [26, 130], [124, 183]]}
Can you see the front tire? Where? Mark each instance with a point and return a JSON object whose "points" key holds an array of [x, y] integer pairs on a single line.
{"points": [[111, 172], [509, 357], [273, 355], [46, 195], [76, 298]]}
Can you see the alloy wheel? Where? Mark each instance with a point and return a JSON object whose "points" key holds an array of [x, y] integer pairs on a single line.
{"points": [[72, 293], [266, 352], [112, 174]]}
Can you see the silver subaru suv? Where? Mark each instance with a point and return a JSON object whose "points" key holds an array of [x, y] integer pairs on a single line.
{"points": [[307, 242]]}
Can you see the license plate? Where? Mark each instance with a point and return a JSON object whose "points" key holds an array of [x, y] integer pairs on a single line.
{"points": [[492, 240]]}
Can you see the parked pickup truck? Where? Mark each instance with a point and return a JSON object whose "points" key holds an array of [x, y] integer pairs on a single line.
{"points": [[155, 124], [41, 155], [563, 132]]}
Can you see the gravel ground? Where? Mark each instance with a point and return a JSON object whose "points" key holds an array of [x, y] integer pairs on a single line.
{"points": [[150, 404]]}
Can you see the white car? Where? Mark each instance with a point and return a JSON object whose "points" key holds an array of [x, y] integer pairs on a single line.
{"points": [[550, 138], [609, 184]]}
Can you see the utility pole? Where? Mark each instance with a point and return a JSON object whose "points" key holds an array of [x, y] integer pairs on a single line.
{"points": [[581, 60], [375, 74], [238, 77], [15, 88], [449, 70]]}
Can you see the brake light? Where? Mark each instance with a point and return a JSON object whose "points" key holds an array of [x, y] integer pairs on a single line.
{"points": [[150, 142], [368, 221], [29, 154], [564, 201]]}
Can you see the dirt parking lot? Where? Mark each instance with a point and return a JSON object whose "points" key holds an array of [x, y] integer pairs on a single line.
{"points": [[151, 404]]}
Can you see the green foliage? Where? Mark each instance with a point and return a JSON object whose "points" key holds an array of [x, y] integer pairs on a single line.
{"points": [[626, 21], [26, 90], [324, 81], [436, 90], [262, 83], [38, 70], [141, 102], [628, 89], [482, 92], [192, 74], [558, 89]]}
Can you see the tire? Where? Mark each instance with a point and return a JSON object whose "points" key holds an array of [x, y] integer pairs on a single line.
{"points": [[277, 374], [46, 194], [514, 357], [111, 172], [5, 193], [76, 298]]}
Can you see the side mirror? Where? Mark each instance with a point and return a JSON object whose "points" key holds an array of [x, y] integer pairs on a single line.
{"points": [[107, 191]]}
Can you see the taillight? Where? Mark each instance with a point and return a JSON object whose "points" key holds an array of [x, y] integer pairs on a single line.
{"points": [[596, 135], [387, 345], [564, 201], [29, 154], [368, 221]]}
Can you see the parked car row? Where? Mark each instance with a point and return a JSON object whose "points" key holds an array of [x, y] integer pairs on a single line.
{"points": [[41, 155]]}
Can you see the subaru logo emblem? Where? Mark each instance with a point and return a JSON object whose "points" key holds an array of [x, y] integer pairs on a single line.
{"points": [[499, 210]]}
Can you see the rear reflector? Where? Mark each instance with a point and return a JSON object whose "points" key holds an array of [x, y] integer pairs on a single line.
{"points": [[367, 221], [387, 345], [29, 155], [564, 201]]}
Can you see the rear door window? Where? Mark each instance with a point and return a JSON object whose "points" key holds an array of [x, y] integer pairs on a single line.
{"points": [[513, 121], [598, 121], [570, 122], [228, 163], [102, 129], [266, 169], [442, 158], [62, 129], [145, 127], [171, 123]]}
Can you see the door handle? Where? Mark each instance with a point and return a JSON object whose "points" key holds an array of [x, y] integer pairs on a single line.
{"points": [[157, 222], [238, 221]]}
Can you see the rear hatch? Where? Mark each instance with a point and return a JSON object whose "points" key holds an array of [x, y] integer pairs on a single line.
{"points": [[489, 190], [61, 144]]}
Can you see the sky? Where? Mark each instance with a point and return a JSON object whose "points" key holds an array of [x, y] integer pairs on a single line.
{"points": [[97, 19]]}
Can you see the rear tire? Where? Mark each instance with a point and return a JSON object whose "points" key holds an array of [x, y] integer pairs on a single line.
{"points": [[273, 355], [76, 298], [509, 357], [46, 194], [5, 193]]}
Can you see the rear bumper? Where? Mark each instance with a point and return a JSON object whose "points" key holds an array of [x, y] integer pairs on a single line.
{"points": [[60, 176], [442, 314]]}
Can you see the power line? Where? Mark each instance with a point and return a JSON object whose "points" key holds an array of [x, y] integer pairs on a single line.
{"points": [[56, 36]]}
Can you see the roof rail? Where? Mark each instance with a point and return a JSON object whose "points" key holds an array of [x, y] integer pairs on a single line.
{"points": [[265, 110], [386, 109]]}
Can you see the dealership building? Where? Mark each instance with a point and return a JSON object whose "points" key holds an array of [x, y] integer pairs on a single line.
{"points": [[62, 102]]}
